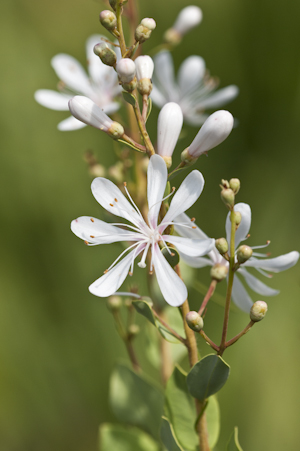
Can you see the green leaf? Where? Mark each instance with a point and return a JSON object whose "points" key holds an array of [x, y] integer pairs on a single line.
{"points": [[129, 98], [135, 401], [207, 377], [213, 421], [168, 437], [129, 145], [149, 107], [172, 258], [233, 444], [181, 409], [121, 438], [143, 308]]}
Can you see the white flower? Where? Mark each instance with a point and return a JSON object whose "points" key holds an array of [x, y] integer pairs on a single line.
{"points": [[169, 126], [144, 234], [144, 67], [101, 85], [239, 294], [193, 90], [188, 18]]}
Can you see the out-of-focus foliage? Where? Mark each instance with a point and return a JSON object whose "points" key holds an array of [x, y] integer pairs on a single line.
{"points": [[57, 341]]}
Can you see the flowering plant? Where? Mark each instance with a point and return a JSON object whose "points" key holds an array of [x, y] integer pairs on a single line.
{"points": [[157, 230]]}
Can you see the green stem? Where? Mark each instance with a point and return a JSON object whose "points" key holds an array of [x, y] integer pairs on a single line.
{"points": [[230, 284], [142, 127], [238, 336], [169, 328], [121, 38], [209, 341], [207, 297], [127, 341]]}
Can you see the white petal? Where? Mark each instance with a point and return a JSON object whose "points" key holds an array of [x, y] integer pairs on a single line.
{"points": [[172, 287], [97, 69], [240, 296], [69, 124], [212, 133], [190, 74], [219, 98], [52, 99], [244, 227], [188, 18], [187, 194], [169, 126], [276, 264], [70, 71], [85, 110], [256, 285], [110, 282], [111, 108], [156, 183], [111, 198], [164, 74], [191, 247], [144, 67], [96, 231], [157, 97], [196, 262]]}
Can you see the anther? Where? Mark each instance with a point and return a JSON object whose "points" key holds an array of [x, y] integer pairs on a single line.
{"points": [[268, 242], [125, 183], [193, 219], [248, 236], [116, 200], [105, 272], [92, 220], [150, 272], [194, 227], [130, 273], [111, 205], [92, 236], [172, 254], [86, 242]]}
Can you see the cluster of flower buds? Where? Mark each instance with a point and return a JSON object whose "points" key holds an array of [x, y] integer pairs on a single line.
{"points": [[188, 18], [144, 30]]}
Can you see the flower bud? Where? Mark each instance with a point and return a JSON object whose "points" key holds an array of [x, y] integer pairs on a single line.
{"points": [[133, 330], [235, 185], [237, 217], [258, 311], [144, 70], [215, 130], [169, 125], [85, 110], [116, 130], [126, 70], [194, 321], [114, 302], [227, 196], [221, 245], [144, 30], [108, 20], [243, 253], [219, 272], [188, 18], [129, 87], [106, 54], [171, 36]]}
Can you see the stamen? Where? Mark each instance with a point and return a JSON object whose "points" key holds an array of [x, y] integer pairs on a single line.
{"points": [[122, 253], [164, 198], [130, 273], [131, 200], [142, 263]]}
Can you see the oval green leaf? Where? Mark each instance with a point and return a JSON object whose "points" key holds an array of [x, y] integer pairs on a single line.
{"points": [[207, 377], [168, 437], [129, 98], [122, 438]]}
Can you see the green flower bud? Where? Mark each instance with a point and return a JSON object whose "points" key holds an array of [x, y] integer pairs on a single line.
{"points": [[243, 253], [114, 302], [108, 20], [227, 196], [258, 311], [116, 130], [237, 217], [133, 330], [222, 245], [106, 54], [187, 158], [144, 86], [235, 185], [130, 86], [219, 272], [194, 321], [172, 36], [144, 30]]}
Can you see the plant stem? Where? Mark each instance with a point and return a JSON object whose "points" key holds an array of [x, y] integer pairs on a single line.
{"points": [[134, 143], [207, 297], [127, 340], [166, 325], [243, 332], [230, 283], [142, 127], [209, 341], [193, 359], [121, 38]]}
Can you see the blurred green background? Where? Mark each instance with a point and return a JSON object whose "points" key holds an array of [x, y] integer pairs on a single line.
{"points": [[57, 342]]}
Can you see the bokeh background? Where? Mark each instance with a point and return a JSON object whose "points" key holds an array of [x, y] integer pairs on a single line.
{"points": [[57, 342]]}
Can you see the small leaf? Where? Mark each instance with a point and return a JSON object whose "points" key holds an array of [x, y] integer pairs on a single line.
{"points": [[149, 107], [171, 255], [144, 308], [213, 421], [168, 437], [122, 438], [207, 377], [233, 444], [130, 145], [129, 98], [135, 401]]}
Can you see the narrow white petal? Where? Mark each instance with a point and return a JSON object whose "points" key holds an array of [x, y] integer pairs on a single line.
{"points": [[244, 227], [97, 69], [191, 247], [213, 132], [187, 194], [219, 98], [69, 124], [256, 284], [70, 71], [85, 110], [188, 18], [156, 183], [111, 107], [196, 262], [113, 200], [172, 287], [240, 296], [164, 74], [190, 74], [169, 126], [157, 97], [110, 282], [96, 231], [52, 99], [276, 264], [144, 67]]}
